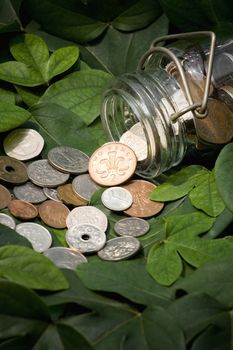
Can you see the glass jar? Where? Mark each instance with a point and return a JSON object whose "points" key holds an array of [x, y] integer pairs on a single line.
{"points": [[178, 98]]}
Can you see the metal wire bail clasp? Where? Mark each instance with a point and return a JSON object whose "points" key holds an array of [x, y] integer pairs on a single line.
{"points": [[199, 109]]}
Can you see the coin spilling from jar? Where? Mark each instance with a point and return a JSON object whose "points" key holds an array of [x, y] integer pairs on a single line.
{"points": [[58, 191]]}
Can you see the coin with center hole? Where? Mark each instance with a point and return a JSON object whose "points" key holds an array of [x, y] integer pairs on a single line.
{"points": [[131, 227], [7, 220], [86, 238], [84, 186], [87, 215], [119, 248], [12, 170], [5, 197], [39, 237], [66, 258], [117, 198], [53, 213], [29, 192], [22, 209], [68, 160]]}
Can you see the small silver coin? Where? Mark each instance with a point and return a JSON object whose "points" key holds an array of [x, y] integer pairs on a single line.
{"points": [[84, 186], [86, 238], [30, 193], [37, 235], [117, 198], [7, 220], [41, 173], [132, 227], [51, 193], [65, 257], [68, 160], [119, 248]]}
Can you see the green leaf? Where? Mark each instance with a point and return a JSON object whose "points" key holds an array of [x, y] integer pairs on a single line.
{"points": [[221, 223], [179, 184], [7, 96], [19, 73], [79, 93], [205, 196], [224, 175], [28, 96], [12, 116], [29, 268], [9, 236], [61, 60], [9, 20]]}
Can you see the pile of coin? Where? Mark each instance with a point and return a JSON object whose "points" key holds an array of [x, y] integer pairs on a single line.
{"points": [[58, 191]]}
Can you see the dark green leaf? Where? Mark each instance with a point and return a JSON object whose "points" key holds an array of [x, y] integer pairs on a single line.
{"points": [[7, 96], [9, 20], [12, 116], [28, 96], [29, 268], [9, 236], [221, 223], [224, 175]]}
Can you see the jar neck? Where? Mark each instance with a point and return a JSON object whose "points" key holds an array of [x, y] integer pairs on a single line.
{"points": [[149, 98]]}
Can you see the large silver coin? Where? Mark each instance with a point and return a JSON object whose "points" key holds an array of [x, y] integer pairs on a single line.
{"points": [[30, 193], [68, 160], [84, 186], [87, 214], [37, 235], [132, 227], [86, 238], [7, 220], [136, 143], [117, 198], [23, 144], [65, 257], [51, 193], [41, 173], [119, 248]]}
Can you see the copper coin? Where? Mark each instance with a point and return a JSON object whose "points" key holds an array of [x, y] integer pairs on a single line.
{"points": [[5, 197], [142, 206], [22, 209], [53, 213], [67, 195], [112, 164], [12, 170]]}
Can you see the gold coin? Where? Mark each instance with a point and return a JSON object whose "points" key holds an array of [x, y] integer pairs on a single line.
{"points": [[67, 195], [53, 213], [5, 197], [12, 170], [142, 206], [112, 164]]}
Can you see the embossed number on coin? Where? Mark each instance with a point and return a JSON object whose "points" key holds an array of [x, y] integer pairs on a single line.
{"points": [[131, 227], [119, 248]]}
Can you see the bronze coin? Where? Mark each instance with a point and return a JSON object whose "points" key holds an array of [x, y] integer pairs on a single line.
{"points": [[142, 206], [54, 213], [22, 209], [5, 197], [67, 195], [12, 170], [112, 164]]}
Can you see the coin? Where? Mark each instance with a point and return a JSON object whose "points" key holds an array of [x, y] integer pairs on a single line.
{"points": [[7, 220], [22, 209], [12, 170], [41, 173], [131, 227], [112, 164], [225, 94], [142, 206], [66, 258], [136, 143], [67, 195], [119, 248], [5, 197], [86, 238], [51, 193], [84, 186], [117, 198], [29, 192], [87, 215], [68, 160], [53, 213], [39, 237], [23, 144]]}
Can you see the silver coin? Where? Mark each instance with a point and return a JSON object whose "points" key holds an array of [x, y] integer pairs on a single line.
{"points": [[29, 192], [87, 214], [51, 193], [84, 186], [86, 238], [41, 173], [117, 198], [65, 257], [131, 227], [37, 235], [136, 143], [7, 220], [23, 144], [68, 160], [119, 248]]}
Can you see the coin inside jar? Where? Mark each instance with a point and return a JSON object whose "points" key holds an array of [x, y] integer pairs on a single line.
{"points": [[12, 170], [22, 209], [53, 213], [5, 197]]}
